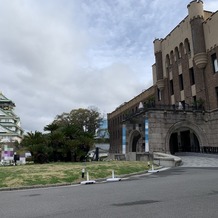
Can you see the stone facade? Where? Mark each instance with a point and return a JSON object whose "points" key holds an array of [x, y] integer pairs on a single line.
{"points": [[179, 112]]}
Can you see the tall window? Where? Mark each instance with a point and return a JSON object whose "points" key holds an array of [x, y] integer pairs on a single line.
{"points": [[214, 62], [183, 104], [187, 46], [171, 87], [177, 53], [194, 103], [181, 49], [216, 89], [171, 57], [159, 94], [181, 82], [191, 76], [194, 99], [167, 61]]}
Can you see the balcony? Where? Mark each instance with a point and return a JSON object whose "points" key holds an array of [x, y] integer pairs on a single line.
{"points": [[165, 108]]}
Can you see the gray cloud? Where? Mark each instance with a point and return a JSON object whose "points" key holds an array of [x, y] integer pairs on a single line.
{"points": [[57, 55]]}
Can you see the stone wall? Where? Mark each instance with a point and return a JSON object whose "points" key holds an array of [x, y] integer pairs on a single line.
{"points": [[163, 123]]}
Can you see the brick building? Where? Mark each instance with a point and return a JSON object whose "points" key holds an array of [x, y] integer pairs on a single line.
{"points": [[180, 111]]}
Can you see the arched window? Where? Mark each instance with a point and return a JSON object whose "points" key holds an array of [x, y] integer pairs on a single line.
{"points": [[159, 94], [171, 57], [187, 46], [181, 49], [177, 53], [167, 64], [167, 61]]}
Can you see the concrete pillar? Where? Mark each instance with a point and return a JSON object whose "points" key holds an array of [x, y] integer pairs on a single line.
{"points": [[124, 139]]}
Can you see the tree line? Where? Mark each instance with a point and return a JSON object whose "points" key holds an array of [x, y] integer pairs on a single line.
{"points": [[68, 138]]}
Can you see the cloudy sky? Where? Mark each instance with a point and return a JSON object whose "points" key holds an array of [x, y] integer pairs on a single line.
{"points": [[59, 55]]}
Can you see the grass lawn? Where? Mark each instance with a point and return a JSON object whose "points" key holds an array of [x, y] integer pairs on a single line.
{"points": [[62, 173]]}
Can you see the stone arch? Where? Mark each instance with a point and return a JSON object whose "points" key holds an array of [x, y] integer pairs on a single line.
{"points": [[135, 141], [199, 133]]}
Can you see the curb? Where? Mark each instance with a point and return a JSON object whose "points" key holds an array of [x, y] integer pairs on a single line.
{"points": [[74, 183]]}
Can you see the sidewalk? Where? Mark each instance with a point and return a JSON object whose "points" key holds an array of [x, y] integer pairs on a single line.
{"points": [[198, 159]]}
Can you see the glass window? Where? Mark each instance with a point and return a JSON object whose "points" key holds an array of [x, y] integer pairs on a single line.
{"points": [[191, 76], [187, 46], [171, 87], [214, 62], [181, 82], [216, 89], [177, 53], [159, 94]]}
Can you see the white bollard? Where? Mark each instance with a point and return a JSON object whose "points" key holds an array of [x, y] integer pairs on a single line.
{"points": [[113, 179], [87, 180], [153, 170], [112, 173]]}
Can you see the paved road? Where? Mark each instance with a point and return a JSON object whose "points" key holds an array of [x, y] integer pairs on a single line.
{"points": [[198, 159], [179, 192]]}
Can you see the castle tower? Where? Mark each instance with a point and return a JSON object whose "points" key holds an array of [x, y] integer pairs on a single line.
{"points": [[159, 63], [10, 128], [196, 15]]}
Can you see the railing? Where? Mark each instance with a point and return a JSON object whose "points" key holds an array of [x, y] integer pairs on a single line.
{"points": [[152, 106]]}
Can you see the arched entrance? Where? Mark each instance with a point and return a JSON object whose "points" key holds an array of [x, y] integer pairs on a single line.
{"points": [[185, 136], [136, 144], [184, 141]]}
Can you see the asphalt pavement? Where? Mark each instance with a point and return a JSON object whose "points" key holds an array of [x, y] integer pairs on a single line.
{"points": [[179, 192]]}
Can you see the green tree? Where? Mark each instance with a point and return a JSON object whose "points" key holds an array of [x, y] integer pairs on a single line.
{"points": [[36, 143], [70, 136], [32, 138], [56, 142], [79, 142], [79, 128], [87, 120], [51, 127]]}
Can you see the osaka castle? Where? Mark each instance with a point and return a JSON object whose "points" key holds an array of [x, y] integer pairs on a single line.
{"points": [[10, 128]]}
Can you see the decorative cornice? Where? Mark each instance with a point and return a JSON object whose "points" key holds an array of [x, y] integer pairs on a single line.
{"points": [[196, 17]]}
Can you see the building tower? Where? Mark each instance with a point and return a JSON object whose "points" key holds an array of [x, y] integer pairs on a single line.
{"points": [[159, 68], [10, 128], [196, 15]]}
